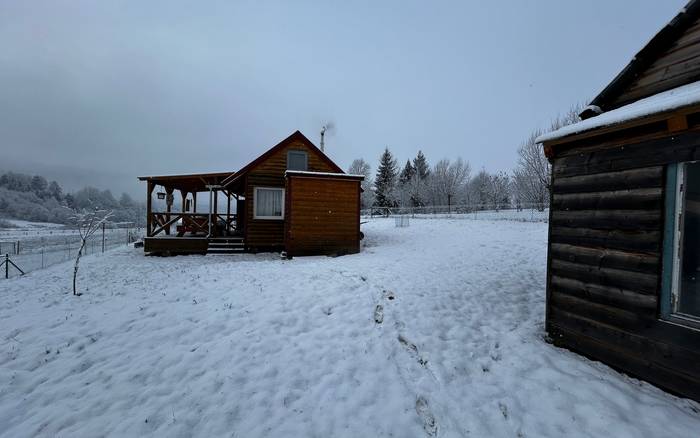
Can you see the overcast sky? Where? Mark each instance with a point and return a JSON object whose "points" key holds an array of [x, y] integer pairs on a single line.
{"points": [[98, 92]]}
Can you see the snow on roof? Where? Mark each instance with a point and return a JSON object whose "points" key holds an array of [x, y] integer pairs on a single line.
{"points": [[305, 172], [662, 102]]}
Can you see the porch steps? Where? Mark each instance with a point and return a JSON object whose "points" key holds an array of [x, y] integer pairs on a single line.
{"points": [[226, 245]]}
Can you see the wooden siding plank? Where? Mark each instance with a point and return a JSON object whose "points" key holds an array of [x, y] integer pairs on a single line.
{"points": [[605, 295], [647, 177], [615, 199], [625, 240], [606, 258], [613, 316], [609, 219], [637, 281], [681, 147]]}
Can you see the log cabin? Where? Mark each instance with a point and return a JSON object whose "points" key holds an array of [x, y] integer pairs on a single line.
{"points": [[623, 265], [292, 198]]}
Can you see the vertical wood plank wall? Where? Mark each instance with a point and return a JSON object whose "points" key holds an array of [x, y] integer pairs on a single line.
{"points": [[605, 258], [323, 216]]}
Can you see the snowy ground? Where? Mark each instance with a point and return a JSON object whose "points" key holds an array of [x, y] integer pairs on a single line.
{"points": [[252, 346]]}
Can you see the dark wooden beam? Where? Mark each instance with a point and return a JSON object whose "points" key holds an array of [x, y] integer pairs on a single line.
{"points": [[149, 206]]}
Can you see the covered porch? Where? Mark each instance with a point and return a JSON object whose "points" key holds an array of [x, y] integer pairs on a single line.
{"points": [[193, 213]]}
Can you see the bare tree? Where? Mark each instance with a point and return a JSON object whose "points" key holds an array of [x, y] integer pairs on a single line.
{"points": [[532, 176], [448, 179], [87, 223], [360, 167], [499, 190]]}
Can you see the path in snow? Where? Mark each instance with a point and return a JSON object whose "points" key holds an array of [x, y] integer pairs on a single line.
{"points": [[251, 345]]}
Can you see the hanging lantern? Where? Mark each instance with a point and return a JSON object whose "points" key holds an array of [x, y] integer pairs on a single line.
{"points": [[161, 195]]}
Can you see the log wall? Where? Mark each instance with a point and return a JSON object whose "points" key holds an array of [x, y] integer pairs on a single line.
{"points": [[266, 234], [604, 259]]}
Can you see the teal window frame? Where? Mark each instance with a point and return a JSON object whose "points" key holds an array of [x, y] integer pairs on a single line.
{"points": [[669, 244], [671, 256]]}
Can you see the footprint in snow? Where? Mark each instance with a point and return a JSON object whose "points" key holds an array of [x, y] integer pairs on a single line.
{"points": [[413, 350], [379, 314], [389, 295], [429, 424]]}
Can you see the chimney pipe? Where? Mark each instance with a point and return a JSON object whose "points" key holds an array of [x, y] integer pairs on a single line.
{"points": [[323, 133]]}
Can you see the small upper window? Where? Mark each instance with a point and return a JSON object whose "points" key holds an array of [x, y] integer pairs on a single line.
{"points": [[297, 160], [682, 244]]}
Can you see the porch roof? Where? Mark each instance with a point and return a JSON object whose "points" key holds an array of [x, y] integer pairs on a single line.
{"points": [[194, 182]]}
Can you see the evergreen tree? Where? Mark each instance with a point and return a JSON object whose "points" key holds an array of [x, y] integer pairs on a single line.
{"points": [[55, 191], [407, 173], [39, 185], [420, 166], [385, 181], [70, 201]]}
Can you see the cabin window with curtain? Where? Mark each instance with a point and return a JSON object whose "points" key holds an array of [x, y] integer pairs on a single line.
{"points": [[297, 160], [268, 203], [681, 288]]}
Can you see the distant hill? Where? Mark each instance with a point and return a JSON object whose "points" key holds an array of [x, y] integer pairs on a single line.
{"points": [[33, 198]]}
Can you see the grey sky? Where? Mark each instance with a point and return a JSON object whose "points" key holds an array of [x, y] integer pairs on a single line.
{"points": [[100, 92]]}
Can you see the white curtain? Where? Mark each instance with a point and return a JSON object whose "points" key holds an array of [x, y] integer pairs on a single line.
{"points": [[268, 202]]}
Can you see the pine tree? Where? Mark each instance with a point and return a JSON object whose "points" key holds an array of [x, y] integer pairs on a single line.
{"points": [[407, 173], [420, 165], [39, 185], [55, 191], [385, 181]]}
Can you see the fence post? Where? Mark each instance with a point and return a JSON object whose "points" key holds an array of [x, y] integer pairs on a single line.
{"points": [[17, 248], [103, 237], [7, 266]]}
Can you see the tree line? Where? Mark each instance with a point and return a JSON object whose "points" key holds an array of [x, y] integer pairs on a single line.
{"points": [[33, 198], [453, 183]]}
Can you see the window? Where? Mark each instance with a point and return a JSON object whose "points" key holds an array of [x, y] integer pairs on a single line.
{"points": [[297, 160], [268, 203], [681, 282]]}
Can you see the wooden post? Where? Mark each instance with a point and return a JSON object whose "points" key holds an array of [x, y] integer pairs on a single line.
{"points": [[194, 202], [216, 212], [149, 204], [103, 237], [168, 207], [7, 266], [228, 212]]}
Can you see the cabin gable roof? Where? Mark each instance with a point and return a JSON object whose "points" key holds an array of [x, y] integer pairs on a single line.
{"points": [[670, 59], [296, 137]]}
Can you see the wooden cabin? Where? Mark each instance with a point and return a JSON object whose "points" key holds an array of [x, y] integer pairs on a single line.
{"points": [[623, 268], [292, 198]]}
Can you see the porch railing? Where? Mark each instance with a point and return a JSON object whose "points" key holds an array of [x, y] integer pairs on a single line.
{"points": [[193, 223]]}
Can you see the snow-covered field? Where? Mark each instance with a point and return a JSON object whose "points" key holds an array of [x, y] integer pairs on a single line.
{"points": [[252, 346]]}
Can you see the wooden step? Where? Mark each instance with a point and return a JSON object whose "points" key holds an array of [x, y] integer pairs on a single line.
{"points": [[226, 245]]}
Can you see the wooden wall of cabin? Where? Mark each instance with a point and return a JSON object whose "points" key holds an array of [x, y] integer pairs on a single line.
{"points": [[605, 251], [676, 66], [265, 234], [323, 216]]}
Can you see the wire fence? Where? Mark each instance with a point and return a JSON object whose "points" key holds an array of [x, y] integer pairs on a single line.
{"points": [[522, 213], [41, 250]]}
